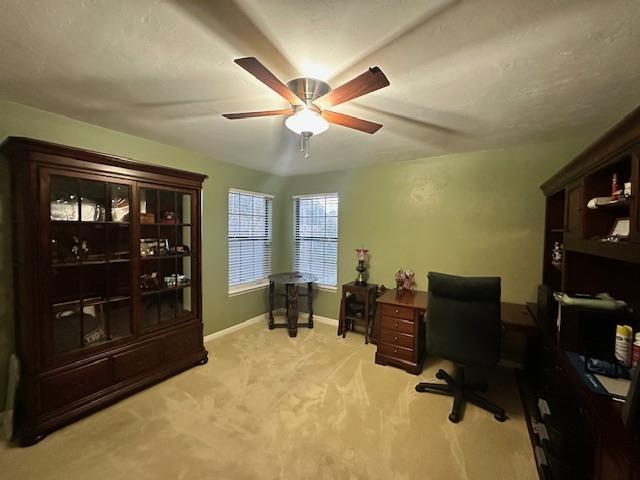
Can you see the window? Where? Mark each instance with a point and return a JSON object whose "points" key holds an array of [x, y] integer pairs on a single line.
{"points": [[316, 236], [249, 240]]}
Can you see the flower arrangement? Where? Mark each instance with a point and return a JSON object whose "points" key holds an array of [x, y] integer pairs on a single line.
{"points": [[405, 279]]}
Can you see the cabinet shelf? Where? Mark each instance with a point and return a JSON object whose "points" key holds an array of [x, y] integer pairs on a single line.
{"points": [[625, 202], [624, 250], [165, 224], [156, 257], [89, 262], [145, 293], [88, 303], [78, 222]]}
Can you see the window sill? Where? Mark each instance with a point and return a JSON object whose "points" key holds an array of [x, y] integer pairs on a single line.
{"points": [[239, 290], [327, 288]]}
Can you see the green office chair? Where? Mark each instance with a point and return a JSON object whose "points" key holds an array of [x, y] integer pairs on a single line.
{"points": [[463, 325]]}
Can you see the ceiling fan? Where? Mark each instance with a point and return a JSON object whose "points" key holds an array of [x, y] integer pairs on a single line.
{"points": [[310, 98]]}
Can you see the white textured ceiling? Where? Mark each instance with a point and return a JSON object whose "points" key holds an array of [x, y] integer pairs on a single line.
{"points": [[465, 75]]}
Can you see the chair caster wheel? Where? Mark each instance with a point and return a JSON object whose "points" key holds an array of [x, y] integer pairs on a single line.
{"points": [[501, 417], [439, 375], [453, 418]]}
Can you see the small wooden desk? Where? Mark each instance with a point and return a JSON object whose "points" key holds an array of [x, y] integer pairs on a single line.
{"points": [[399, 329]]}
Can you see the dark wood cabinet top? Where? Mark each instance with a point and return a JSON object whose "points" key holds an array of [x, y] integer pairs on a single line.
{"points": [[13, 144], [621, 136], [405, 298]]}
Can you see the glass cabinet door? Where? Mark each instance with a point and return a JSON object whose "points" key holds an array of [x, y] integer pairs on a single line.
{"points": [[89, 237], [166, 256]]}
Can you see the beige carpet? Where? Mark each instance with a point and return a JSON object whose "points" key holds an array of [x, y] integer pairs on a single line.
{"points": [[270, 407]]}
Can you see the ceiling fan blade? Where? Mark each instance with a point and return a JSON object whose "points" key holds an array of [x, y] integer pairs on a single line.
{"points": [[351, 122], [258, 70], [371, 80], [265, 113]]}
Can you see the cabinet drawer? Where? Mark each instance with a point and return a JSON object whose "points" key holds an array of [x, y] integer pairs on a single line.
{"points": [[397, 325], [397, 352], [396, 338], [131, 363], [398, 312], [67, 387], [184, 342]]}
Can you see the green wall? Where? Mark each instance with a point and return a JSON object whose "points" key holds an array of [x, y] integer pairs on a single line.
{"points": [[477, 213], [472, 214], [220, 310]]}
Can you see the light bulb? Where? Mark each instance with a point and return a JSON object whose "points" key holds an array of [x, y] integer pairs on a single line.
{"points": [[306, 120]]}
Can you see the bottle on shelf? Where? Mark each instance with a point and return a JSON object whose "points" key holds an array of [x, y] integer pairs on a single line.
{"points": [[623, 345], [614, 186]]}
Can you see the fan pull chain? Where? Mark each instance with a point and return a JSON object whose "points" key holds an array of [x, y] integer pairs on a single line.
{"points": [[304, 143]]}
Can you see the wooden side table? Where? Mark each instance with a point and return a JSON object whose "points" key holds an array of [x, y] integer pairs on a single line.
{"points": [[291, 280], [364, 295]]}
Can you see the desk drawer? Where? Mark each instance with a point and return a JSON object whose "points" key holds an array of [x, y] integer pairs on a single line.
{"points": [[139, 360], [398, 312], [396, 338], [397, 352], [397, 325]]}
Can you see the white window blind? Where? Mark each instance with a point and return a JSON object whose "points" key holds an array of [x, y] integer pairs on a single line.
{"points": [[249, 239], [316, 236]]}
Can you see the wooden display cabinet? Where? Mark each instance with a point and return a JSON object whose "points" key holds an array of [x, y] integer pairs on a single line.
{"points": [[589, 423], [107, 279]]}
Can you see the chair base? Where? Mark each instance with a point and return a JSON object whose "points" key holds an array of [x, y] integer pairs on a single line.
{"points": [[456, 388]]}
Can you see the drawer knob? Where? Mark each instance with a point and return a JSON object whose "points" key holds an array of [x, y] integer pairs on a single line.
{"points": [[395, 350], [395, 338], [396, 310], [396, 324]]}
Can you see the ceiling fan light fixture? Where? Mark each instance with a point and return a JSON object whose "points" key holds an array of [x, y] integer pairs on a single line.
{"points": [[306, 120], [311, 99]]}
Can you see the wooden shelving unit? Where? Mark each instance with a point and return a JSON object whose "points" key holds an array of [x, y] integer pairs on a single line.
{"points": [[96, 320], [590, 265]]}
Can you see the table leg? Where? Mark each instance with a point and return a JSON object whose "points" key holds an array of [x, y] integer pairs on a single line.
{"points": [[367, 304], [272, 288], [292, 309], [341, 319], [310, 303], [375, 326]]}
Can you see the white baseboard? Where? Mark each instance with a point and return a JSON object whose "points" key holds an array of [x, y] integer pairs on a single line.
{"points": [[264, 318], [233, 328], [326, 320]]}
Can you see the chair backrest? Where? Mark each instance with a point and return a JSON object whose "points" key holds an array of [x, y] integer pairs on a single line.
{"points": [[463, 319]]}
